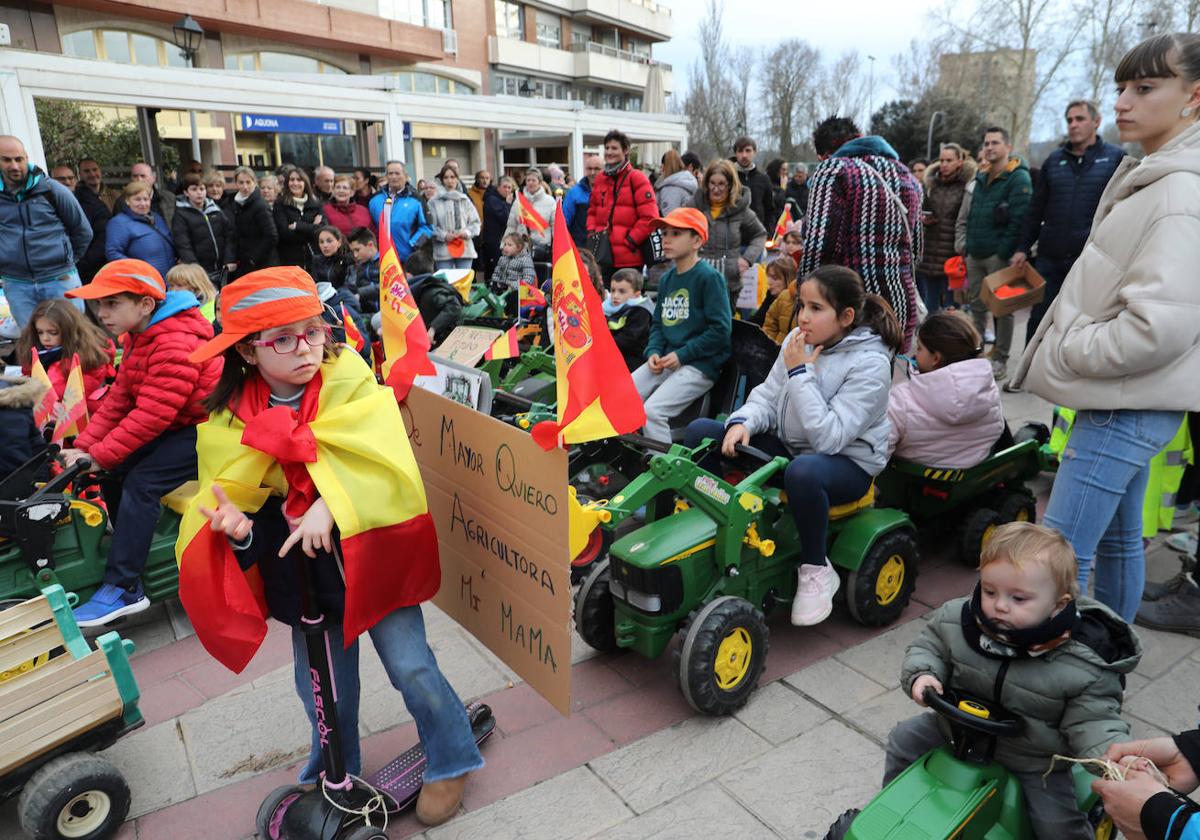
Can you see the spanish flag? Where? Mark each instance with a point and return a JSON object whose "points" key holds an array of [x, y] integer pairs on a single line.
{"points": [[529, 295], [71, 415], [405, 340], [531, 218], [43, 412], [463, 285], [781, 228], [596, 396], [504, 347], [346, 444], [353, 336]]}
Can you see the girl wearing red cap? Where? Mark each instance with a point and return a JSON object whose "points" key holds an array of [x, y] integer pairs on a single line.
{"points": [[299, 437]]}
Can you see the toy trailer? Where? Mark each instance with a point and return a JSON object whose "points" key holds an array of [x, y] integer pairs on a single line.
{"points": [[61, 701]]}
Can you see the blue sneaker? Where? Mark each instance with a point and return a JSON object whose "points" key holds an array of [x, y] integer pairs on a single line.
{"points": [[110, 603]]}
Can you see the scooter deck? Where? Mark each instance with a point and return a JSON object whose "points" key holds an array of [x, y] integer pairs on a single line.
{"points": [[402, 777]]}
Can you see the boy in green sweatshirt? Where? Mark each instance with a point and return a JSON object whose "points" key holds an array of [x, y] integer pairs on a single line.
{"points": [[690, 332]]}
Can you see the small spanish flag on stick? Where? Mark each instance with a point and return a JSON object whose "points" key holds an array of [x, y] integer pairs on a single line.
{"points": [[531, 217], [43, 412], [781, 229], [71, 416], [353, 337], [504, 347]]}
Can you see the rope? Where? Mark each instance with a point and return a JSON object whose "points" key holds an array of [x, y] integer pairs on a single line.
{"points": [[376, 802], [1111, 770]]}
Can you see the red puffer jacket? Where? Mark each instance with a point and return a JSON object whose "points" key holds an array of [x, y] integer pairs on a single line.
{"points": [[631, 221], [157, 388]]}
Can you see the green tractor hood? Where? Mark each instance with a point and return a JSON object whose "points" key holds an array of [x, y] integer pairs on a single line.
{"points": [[667, 540]]}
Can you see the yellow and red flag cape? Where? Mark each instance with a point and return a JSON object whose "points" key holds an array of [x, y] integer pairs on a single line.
{"points": [[71, 415], [531, 217], [405, 340], [353, 452], [43, 412], [596, 396]]}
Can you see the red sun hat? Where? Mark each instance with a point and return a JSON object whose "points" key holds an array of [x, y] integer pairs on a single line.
{"points": [[133, 276], [687, 218], [262, 300]]}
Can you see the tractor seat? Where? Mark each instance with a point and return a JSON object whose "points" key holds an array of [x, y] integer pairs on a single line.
{"points": [[179, 498], [851, 508]]}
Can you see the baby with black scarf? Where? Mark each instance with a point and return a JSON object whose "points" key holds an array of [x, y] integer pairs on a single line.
{"points": [[1027, 643]]}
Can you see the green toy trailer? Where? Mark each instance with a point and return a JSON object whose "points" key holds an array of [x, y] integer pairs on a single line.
{"points": [[959, 791], [973, 500], [60, 702], [715, 559]]}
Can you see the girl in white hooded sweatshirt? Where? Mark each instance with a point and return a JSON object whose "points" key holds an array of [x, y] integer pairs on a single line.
{"points": [[949, 413]]}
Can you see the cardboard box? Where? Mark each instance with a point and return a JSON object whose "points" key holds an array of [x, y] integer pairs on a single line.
{"points": [[1022, 287]]}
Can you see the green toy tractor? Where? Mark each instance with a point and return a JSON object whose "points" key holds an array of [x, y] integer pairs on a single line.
{"points": [[959, 791], [715, 559]]}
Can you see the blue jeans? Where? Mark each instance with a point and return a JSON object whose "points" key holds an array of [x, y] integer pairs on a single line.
{"points": [[24, 295], [1097, 498], [933, 290], [1054, 272], [813, 483], [442, 723], [460, 262]]}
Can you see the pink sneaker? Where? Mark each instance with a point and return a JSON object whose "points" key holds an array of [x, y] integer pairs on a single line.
{"points": [[814, 594]]}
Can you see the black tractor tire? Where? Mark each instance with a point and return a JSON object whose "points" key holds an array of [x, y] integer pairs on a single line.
{"points": [[1033, 431], [722, 655], [1018, 506], [77, 795], [975, 531], [841, 826], [594, 609], [879, 589]]}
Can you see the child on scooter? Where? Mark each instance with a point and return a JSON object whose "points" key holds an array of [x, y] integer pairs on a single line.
{"points": [[144, 434], [292, 472], [824, 404], [1029, 643], [57, 331], [949, 413]]}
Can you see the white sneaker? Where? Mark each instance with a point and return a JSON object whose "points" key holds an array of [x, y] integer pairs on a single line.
{"points": [[989, 337], [814, 594], [1184, 543]]}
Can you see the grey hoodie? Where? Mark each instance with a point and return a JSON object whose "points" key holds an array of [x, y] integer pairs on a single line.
{"points": [[836, 405], [675, 191]]}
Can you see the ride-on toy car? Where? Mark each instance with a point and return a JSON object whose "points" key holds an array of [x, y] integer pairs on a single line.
{"points": [[715, 558], [973, 501], [959, 791], [50, 536], [61, 701]]}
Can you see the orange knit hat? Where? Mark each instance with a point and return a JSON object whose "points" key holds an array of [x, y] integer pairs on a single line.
{"points": [[133, 276], [261, 300]]}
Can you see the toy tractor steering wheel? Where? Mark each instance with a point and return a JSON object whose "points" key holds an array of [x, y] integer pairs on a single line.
{"points": [[973, 714], [753, 452]]}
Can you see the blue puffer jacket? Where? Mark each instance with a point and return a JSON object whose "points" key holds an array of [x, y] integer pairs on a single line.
{"points": [[409, 227], [44, 229], [140, 238], [575, 210], [1065, 199]]}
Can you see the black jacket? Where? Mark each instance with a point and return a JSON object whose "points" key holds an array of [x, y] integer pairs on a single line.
{"points": [[630, 328], [296, 244], [336, 270], [441, 306], [1065, 198], [762, 194], [797, 194], [254, 227], [204, 237], [98, 214], [495, 219], [19, 437]]}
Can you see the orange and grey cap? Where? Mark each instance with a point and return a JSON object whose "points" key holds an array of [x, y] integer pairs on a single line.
{"points": [[133, 276], [687, 218], [262, 300]]}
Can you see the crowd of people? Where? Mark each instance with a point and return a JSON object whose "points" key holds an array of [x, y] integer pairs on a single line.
{"points": [[857, 279]]}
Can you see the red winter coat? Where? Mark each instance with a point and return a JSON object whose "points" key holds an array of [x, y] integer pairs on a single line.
{"points": [[347, 217], [93, 380], [631, 221], [157, 389]]}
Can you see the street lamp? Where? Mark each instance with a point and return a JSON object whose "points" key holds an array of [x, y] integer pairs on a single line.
{"points": [[929, 142], [188, 36]]}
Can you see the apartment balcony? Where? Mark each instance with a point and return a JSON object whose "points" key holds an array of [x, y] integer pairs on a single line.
{"points": [[587, 63], [645, 16]]}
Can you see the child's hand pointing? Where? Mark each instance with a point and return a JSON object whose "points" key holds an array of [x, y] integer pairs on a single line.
{"points": [[313, 530], [227, 518]]}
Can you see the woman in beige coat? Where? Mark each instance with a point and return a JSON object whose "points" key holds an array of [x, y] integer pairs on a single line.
{"points": [[1121, 343]]}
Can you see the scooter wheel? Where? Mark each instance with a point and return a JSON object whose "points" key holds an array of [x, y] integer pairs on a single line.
{"points": [[365, 832], [269, 821]]}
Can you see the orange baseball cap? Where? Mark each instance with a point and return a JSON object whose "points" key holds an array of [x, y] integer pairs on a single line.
{"points": [[261, 300], [688, 218], [134, 276]]}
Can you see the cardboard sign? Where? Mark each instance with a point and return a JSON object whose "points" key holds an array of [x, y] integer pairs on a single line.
{"points": [[466, 345], [754, 279], [499, 502], [1012, 288]]}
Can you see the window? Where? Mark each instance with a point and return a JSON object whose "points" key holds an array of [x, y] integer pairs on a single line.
{"points": [[432, 13], [581, 33], [549, 30], [80, 44], [637, 47], [409, 81], [123, 48], [277, 62], [424, 83], [510, 20], [116, 46]]}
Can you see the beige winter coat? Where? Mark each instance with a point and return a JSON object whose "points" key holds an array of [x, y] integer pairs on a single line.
{"points": [[1124, 332]]}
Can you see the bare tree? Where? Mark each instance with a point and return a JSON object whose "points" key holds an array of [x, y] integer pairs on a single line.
{"points": [[710, 98], [843, 90], [741, 80], [786, 75], [918, 68], [1110, 29]]}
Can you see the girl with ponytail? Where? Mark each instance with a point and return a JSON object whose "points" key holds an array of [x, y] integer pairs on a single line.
{"points": [[949, 413], [824, 405]]}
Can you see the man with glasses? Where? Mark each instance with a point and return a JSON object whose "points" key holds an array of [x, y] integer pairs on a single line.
{"points": [[97, 215], [575, 203]]}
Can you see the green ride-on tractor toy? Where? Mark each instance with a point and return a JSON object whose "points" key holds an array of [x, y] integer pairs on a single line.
{"points": [[975, 500], [714, 559], [959, 791], [51, 536]]}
